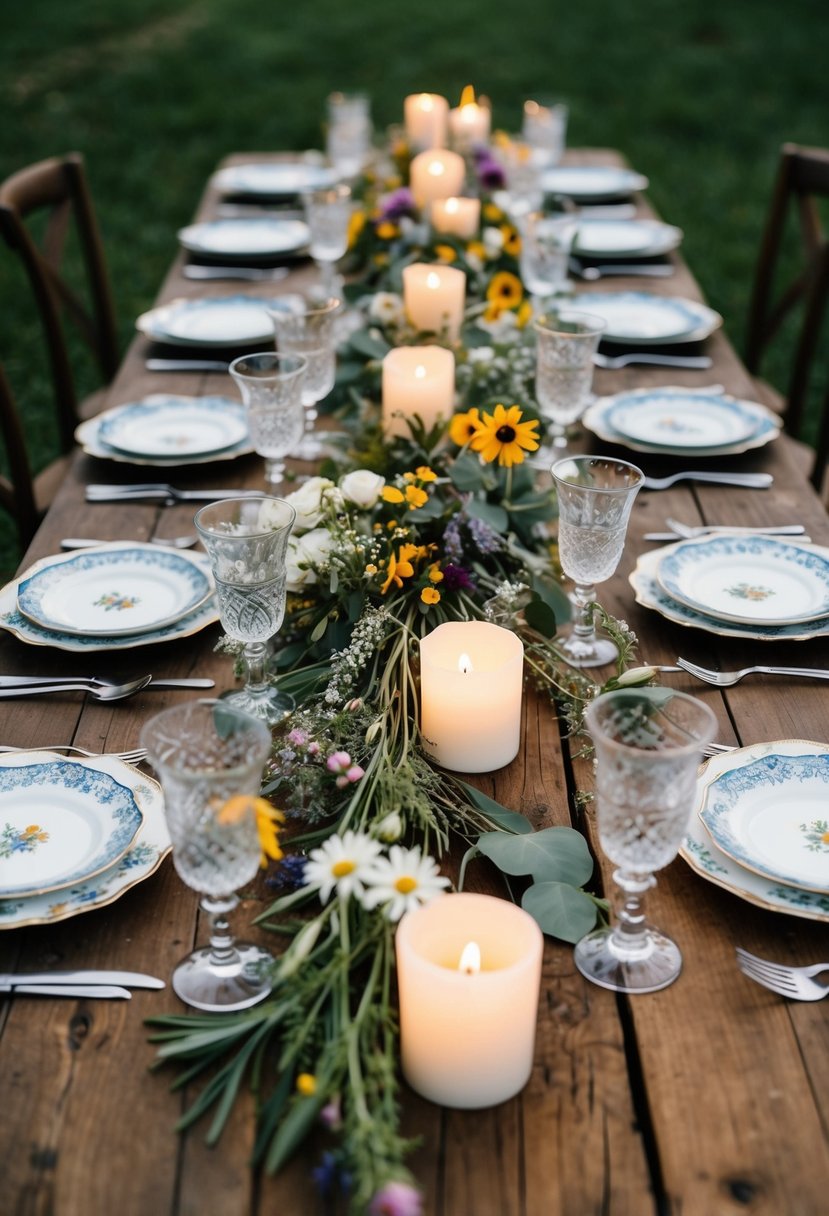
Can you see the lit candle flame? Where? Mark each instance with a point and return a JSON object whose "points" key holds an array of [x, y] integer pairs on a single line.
{"points": [[426, 102], [465, 663], [452, 205], [437, 168], [470, 963], [433, 280], [468, 96], [420, 372]]}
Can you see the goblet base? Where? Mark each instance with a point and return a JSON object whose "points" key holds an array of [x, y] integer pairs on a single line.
{"points": [[309, 448], [588, 652], [202, 982], [267, 703], [654, 964]]}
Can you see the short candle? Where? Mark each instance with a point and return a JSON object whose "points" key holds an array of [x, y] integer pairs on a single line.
{"points": [[467, 1033], [434, 298], [436, 174], [469, 122], [457, 216], [471, 681], [417, 380], [426, 117]]}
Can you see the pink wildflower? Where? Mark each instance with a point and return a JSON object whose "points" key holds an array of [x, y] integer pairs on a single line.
{"points": [[338, 762], [396, 1199]]}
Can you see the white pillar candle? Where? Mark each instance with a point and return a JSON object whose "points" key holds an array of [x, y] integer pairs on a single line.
{"points": [[457, 216], [434, 298], [436, 174], [468, 1039], [426, 116], [471, 681], [417, 380], [470, 123]]}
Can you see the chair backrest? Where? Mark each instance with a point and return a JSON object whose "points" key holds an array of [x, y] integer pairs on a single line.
{"points": [[17, 493], [802, 180], [57, 190]]}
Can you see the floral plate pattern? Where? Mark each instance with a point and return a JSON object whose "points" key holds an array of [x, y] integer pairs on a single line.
{"points": [[217, 321], [625, 238], [202, 427], [748, 579], [644, 581], [636, 318], [12, 619], [60, 824], [245, 238], [707, 860], [592, 183], [89, 433], [150, 846]]}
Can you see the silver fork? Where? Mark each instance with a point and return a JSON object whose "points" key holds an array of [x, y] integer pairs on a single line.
{"points": [[724, 679], [614, 362], [131, 756], [793, 982], [751, 481]]}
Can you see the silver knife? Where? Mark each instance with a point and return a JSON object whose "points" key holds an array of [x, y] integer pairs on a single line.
{"points": [[127, 493], [96, 991], [185, 365], [57, 681], [253, 274], [135, 979]]}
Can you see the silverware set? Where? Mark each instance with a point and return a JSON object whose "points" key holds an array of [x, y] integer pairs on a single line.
{"points": [[100, 690], [95, 984], [160, 492], [248, 274], [796, 983], [613, 363], [681, 531], [725, 679], [590, 273], [749, 481]]}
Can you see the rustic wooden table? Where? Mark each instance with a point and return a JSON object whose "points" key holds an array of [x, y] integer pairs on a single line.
{"points": [[706, 1099]]}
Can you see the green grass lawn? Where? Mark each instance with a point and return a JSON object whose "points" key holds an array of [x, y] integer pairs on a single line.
{"points": [[153, 92]]}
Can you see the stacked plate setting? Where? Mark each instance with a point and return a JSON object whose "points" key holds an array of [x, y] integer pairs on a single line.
{"points": [[74, 834], [761, 829], [112, 597], [273, 180], [738, 585], [167, 430]]}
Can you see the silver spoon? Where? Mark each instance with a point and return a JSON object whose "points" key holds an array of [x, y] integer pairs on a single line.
{"points": [[108, 692], [168, 542]]}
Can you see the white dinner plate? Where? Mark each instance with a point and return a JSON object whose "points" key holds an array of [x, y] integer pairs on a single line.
{"points": [[637, 318], [142, 858], [12, 619], [108, 593], [772, 816], [649, 593], [748, 579], [245, 238], [592, 183], [216, 321], [195, 428], [275, 179], [669, 420], [625, 238], [60, 824], [88, 434], [709, 861]]}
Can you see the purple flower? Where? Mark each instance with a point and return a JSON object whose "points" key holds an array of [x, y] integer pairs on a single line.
{"points": [[452, 545], [486, 538], [397, 204], [396, 1199], [490, 173], [456, 578], [330, 1177], [288, 873]]}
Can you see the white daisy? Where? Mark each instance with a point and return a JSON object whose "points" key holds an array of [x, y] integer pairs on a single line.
{"points": [[342, 863], [402, 880]]}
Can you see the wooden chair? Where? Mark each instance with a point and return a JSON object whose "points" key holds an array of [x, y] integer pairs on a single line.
{"points": [[24, 496], [40, 206], [802, 180]]}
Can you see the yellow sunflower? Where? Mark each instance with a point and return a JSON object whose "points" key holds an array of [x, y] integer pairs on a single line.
{"points": [[463, 427], [356, 224], [512, 240], [445, 253], [502, 436], [504, 290]]}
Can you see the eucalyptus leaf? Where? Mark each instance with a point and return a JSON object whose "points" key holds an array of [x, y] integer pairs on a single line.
{"points": [[466, 474], [551, 855], [541, 617], [560, 910], [554, 595], [366, 344], [510, 821]]}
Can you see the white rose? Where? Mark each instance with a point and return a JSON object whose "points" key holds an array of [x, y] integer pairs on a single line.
{"points": [[387, 307], [362, 487], [493, 241], [481, 354], [305, 554], [309, 502]]}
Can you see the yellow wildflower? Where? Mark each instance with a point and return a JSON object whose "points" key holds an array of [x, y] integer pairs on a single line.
{"points": [[512, 240], [371, 568], [502, 436], [429, 595], [505, 290], [492, 213], [435, 573], [424, 473], [399, 567], [476, 249], [524, 313], [306, 1083], [445, 253], [392, 494], [463, 426], [356, 224], [387, 231], [416, 497], [268, 819]]}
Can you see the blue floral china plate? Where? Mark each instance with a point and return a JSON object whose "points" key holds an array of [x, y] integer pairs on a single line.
{"points": [[252, 238], [13, 620], [60, 823], [110, 592], [592, 183], [677, 421], [645, 584], [637, 318], [89, 433], [195, 428], [149, 847], [273, 179], [748, 579], [597, 238], [772, 816], [216, 321]]}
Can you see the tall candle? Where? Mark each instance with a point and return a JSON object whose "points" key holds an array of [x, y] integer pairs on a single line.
{"points": [[434, 298], [426, 117], [436, 174], [457, 216], [467, 1037], [469, 122], [471, 680], [417, 380]]}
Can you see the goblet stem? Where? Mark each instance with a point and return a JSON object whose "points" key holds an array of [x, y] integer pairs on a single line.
{"points": [[630, 939], [584, 627], [274, 474], [256, 654], [583, 648], [326, 269], [222, 949]]}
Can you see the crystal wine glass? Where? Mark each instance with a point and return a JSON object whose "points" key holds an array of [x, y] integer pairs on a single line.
{"points": [[595, 497], [648, 746], [210, 756], [546, 244], [328, 213], [247, 540], [308, 329], [565, 345], [271, 387], [348, 132]]}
